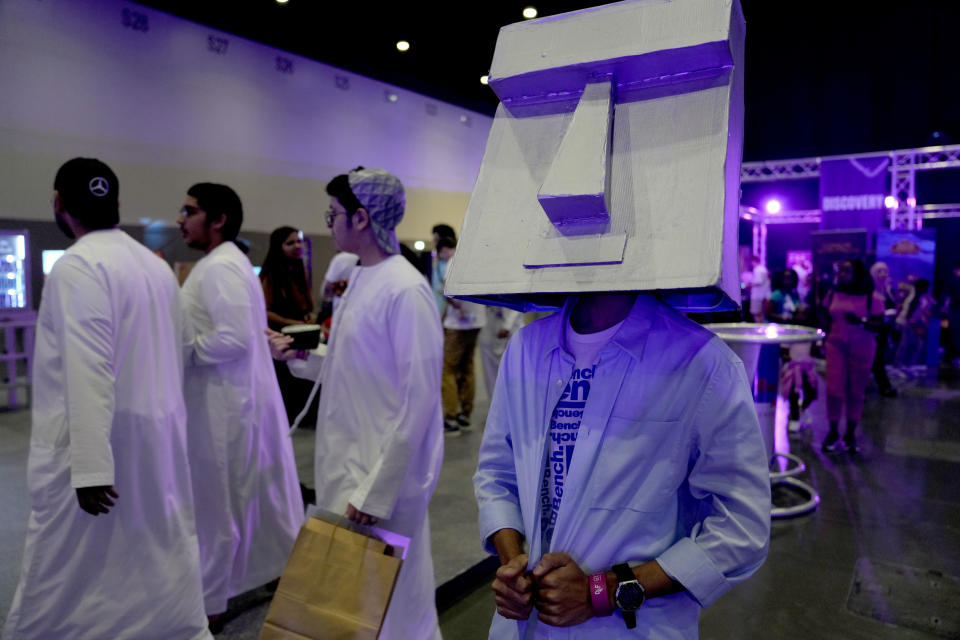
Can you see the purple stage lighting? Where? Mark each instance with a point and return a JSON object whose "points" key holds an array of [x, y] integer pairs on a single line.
{"points": [[891, 202], [773, 206]]}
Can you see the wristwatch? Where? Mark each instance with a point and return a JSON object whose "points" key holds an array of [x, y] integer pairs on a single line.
{"points": [[630, 594]]}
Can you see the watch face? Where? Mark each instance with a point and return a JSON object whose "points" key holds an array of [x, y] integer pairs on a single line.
{"points": [[630, 596]]}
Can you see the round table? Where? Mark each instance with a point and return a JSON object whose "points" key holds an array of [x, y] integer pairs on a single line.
{"points": [[758, 345]]}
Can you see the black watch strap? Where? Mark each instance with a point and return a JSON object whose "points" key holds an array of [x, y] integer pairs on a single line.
{"points": [[625, 574]]}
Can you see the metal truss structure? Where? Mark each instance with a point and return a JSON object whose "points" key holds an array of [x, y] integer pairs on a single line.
{"points": [[904, 165]]}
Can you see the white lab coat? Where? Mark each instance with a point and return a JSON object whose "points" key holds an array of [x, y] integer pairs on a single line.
{"points": [[249, 508], [669, 465], [108, 410], [491, 345], [380, 425]]}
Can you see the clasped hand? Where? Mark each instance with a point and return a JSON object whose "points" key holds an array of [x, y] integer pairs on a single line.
{"points": [[556, 587]]}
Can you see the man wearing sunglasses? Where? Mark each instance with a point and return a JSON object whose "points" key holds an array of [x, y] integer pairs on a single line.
{"points": [[379, 425]]}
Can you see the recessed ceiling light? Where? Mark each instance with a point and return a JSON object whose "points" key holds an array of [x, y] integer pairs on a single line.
{"points": [[403, 45], [529, 13], [484, 79], [419, 245], [282, 1]]}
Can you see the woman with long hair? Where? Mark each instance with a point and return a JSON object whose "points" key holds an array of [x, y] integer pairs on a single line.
{"points": [[284, 279], [849, 351], [289, 301]]}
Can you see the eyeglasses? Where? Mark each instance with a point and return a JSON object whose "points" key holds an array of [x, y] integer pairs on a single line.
{"points": [[330, 215], [186, 210]]}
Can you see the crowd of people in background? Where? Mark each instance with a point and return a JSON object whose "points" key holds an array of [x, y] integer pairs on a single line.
{"points": [[873, 325], [162, 478], [903, 312]]}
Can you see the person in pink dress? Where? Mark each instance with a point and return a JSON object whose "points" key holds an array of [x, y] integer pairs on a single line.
{"points": [[849, 350]]}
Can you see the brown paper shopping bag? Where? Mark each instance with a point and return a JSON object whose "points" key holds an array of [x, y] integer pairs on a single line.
{"points": [[337, 585]]}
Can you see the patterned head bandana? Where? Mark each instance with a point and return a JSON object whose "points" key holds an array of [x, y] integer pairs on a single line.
{"points": [[381, 194]]}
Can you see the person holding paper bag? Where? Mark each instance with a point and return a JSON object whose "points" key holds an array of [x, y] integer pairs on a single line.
{"points": [[380, 425]]}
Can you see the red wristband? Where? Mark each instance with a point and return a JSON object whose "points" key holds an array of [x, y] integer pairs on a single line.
{"points": [[599, 599]]}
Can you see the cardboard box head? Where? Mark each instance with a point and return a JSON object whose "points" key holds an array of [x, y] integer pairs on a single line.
{"points": [[613, 162]]}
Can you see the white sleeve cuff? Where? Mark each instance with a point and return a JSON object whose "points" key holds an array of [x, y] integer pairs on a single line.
{"points": [[689, 565], [101, 479], [494, 517]]}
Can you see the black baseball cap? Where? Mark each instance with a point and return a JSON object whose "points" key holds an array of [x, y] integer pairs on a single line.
{"points": [[89, 191]]}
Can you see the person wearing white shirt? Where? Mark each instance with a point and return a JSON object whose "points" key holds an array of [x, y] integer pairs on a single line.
{"points": [[337, 277], [760, 289], [501, 323], [249, 506], [111, 549], [379, 426], [622, 445]]}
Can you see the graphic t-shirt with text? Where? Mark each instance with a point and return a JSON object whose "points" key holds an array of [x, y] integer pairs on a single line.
{"points": [[565, 423]]}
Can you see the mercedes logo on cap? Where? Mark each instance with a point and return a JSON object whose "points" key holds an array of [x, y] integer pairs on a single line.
{"points": [[99, 187]]}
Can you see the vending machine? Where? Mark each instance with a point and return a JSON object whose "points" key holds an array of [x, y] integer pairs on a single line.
{"points": [[14, 272]]}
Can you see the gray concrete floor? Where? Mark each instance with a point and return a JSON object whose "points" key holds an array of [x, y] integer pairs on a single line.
{"points": [[897, 504], [453, 512]]}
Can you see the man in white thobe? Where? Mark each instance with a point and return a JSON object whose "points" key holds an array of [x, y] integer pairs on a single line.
{"points": [[249, 508], [379, 427], [108, 433]]}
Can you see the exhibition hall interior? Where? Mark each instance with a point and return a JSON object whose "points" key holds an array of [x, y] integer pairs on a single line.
{"points": [[444, 208]]}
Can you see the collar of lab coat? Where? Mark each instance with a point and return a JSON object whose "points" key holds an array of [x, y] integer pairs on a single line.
{"points": [[631, 337]]}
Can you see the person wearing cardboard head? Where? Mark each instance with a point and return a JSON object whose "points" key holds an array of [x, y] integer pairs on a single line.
{"points": [[249, 508], [622, 445], [380, 427], [111, 548]]}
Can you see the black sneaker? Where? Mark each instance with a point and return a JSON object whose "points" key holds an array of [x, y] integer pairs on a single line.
{"points": [[451, 429], [463, 420]]}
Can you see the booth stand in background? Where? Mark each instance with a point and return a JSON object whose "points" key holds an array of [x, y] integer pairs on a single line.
{"points": [[758, 345], [16, 340]]}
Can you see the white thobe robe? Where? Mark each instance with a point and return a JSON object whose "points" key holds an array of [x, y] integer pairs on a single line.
{"points": [[108, 410], [249, 508], [380, 425]]}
